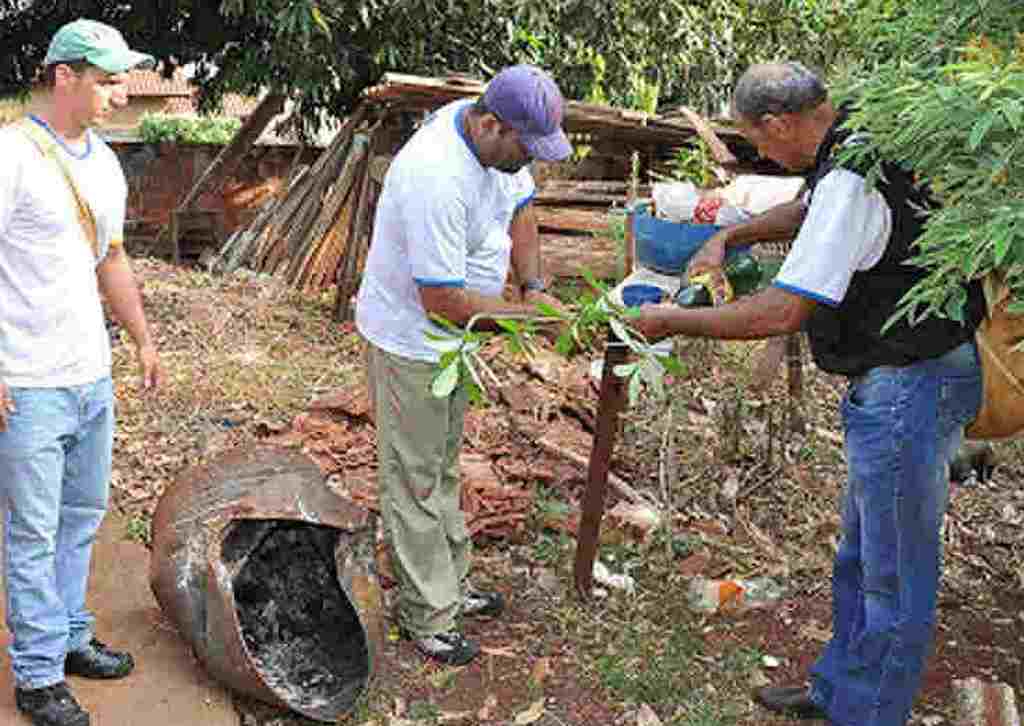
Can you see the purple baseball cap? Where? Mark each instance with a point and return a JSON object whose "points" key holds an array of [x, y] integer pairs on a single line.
{"points": [[527, 99]]}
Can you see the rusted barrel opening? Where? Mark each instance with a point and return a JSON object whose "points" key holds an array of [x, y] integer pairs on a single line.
{"points": [[301, 630]]}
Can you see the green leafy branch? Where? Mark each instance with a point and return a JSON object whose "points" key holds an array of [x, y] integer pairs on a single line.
{"points": [[596, 313]]}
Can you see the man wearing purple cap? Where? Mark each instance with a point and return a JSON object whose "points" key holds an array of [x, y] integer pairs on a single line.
{"points": [[62, 210], [454, 213]]}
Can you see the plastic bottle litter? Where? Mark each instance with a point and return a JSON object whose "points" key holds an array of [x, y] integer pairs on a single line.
{"points": [[736, 595]]}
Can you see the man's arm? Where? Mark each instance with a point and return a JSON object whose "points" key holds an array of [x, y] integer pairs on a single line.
{"points": [[781, 222], [526, 260], [458, 305], [117, 283], [765, 314]]}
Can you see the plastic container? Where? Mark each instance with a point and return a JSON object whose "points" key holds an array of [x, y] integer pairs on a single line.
{"points": [[667, 247], [640, 294], [712, 596]]}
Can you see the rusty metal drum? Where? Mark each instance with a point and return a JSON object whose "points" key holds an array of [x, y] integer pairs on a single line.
{"points": [[269, 576]]}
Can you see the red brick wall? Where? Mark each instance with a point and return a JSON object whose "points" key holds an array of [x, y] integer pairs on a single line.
{"points": [[159, 177]]}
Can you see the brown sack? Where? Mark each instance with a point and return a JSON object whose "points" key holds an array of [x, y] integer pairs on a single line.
{"points": [[1002, 407]]}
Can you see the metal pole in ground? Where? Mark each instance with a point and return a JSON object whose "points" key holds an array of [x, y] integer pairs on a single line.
{"points": [[610, 404]]}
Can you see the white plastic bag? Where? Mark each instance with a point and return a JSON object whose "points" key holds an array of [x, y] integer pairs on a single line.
{"points": [[675, 201]]}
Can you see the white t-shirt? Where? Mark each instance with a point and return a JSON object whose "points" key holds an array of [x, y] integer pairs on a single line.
{"points": [[442, 221], [52, 332], [846, 230]]}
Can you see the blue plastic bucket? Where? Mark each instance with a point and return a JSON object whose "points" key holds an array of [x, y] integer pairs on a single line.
{"points": [[665, 246]]}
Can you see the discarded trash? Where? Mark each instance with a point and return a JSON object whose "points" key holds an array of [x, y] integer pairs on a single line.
{"points": [[732, 595], [269, 577], [770, 661], [618, 582], [643, 518]]}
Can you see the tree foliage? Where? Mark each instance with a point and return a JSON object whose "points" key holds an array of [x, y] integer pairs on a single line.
{"points": [[328, 51], [945, 97]]}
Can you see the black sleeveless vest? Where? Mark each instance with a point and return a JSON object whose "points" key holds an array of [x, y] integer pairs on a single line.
{"points": [[848, 339]]}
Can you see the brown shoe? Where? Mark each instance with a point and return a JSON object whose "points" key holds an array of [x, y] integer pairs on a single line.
{"points": [[792, 701]]}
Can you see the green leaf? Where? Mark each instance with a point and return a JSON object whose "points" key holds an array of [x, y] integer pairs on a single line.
{"points": [[444, 345], [1003, 243], [634, 389], [318, 18], [624, 369], [549, 311], [980, 129], [1013, 110], [673, 366], [445, 381]]}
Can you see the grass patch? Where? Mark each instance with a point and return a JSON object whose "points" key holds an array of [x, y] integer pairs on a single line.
{"points": [[642, 665]]}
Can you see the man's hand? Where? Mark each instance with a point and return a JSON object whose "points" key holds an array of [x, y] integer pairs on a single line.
{"points": [[654, 321], [549, 331], [709, 257], [539, 297], [6, 406], [150, 368]]}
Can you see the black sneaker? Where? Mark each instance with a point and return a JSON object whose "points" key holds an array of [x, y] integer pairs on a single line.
{"points": [[51, 706], [478, 604], [96, 660], [450, 648]]}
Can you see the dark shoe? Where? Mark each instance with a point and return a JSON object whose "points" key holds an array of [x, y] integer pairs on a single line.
{"points": [[482, 604], [50, 706], [450, 648], [98, 661], [793, 701]]}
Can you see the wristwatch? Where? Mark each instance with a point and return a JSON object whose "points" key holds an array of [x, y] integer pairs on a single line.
{"points": [[533, 284]]}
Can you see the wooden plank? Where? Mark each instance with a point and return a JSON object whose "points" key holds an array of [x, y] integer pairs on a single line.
{"points": [[572, 219]]}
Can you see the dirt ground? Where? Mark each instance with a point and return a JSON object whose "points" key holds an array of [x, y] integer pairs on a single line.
{"points": [[741, 495]]}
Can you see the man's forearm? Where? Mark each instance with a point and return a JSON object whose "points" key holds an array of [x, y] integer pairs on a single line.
{"points": [[117, 283], [458, 306], [525, 244], [766, 314], [781, 222]]}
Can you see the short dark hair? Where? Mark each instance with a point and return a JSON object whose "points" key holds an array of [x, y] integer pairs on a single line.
{"points": [[50, 71], [777, 88]]}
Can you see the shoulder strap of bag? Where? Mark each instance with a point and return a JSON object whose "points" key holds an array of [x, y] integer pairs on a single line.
{"points": [[48, 147]]}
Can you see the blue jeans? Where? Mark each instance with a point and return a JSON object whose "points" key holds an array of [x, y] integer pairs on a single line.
{"points": [[903, 426], [54, 482]]}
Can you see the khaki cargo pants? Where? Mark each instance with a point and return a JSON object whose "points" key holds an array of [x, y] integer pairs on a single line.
{"points": [[418, 442]]}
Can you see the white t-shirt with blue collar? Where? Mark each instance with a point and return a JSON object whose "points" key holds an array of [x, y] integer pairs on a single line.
{"points": [[52, 331], [442, 221]]}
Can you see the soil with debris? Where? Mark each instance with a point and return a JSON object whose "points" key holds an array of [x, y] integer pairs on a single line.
{"points": [[743, 478], [298, 625]]}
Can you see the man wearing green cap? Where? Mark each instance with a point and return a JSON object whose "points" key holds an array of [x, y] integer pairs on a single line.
{"points": [[62, 207]]}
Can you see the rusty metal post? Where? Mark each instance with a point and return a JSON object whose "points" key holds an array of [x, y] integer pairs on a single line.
{"points": [[611, 402]]}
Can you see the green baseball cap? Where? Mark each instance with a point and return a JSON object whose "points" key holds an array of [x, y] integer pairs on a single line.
{"points": [[96, 43]]}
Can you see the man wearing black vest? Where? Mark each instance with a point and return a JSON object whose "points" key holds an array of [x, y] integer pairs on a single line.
{"points": [[911, 389]]}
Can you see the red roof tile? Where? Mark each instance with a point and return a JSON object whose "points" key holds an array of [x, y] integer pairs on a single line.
{"points": [[152, 83]]}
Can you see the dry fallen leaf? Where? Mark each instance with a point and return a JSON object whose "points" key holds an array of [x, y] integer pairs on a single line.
{"points": [[541, 670], [490, 703], [646, 716], [532, 714], [503, 652]]}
